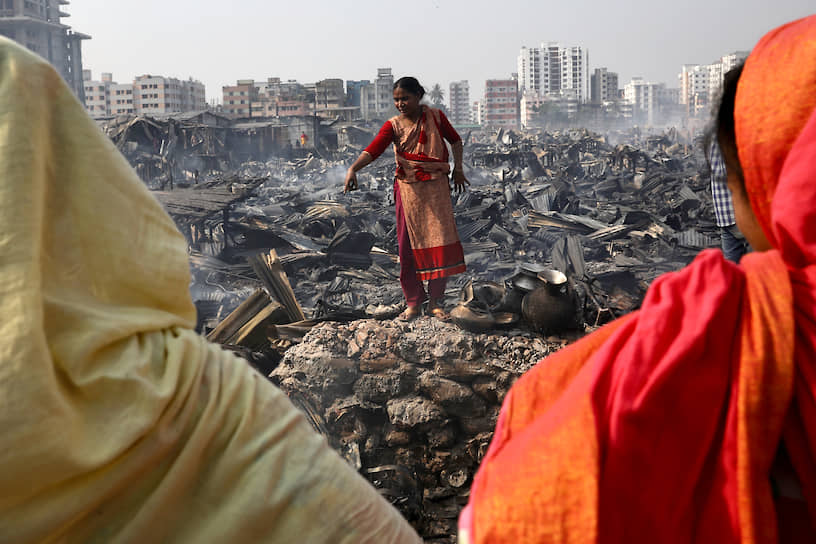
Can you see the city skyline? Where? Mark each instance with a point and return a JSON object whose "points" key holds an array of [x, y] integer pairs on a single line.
{"points": [[441, 41]]}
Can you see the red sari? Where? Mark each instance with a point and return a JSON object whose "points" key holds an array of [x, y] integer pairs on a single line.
{"points": [[663, 426], [424, 190]]}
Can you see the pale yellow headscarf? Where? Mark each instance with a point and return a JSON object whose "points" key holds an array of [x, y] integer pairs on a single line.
{"points": [[118, 423]]}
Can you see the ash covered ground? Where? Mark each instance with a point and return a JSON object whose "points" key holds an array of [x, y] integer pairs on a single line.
{"points": [[412, 405]]}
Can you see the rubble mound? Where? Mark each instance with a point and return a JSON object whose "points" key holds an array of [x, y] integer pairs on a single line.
{"points": [[411, 405]]}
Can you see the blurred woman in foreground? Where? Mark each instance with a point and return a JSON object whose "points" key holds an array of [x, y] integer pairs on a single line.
{"points": [[119, 422], [694, 419]]}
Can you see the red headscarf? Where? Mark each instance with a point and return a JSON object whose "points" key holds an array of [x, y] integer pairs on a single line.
{"points": [[663, 426]]}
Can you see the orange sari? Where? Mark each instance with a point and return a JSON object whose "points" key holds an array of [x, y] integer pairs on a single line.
{"points": [[422, 174], [663, 426]]}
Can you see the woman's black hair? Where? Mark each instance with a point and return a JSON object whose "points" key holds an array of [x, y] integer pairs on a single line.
{"points": [[411, 85], [722, 129]]}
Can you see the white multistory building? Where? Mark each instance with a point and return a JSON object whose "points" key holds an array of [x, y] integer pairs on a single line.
{"points": [[529, 69], [97, 94], [646, 98], [149, 95], [554, 69], [158, 95], [701, 83]]}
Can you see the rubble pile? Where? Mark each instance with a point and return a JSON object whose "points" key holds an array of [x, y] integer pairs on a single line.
{"points": [[299, 278], [411, 405], [612, 218]]}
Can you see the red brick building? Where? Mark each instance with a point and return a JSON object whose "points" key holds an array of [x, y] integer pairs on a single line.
{"points": [[501, 103]]}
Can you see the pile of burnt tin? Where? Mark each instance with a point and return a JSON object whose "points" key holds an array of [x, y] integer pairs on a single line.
{"points": [[544, 298]]}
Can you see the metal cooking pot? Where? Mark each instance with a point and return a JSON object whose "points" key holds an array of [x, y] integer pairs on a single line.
{"points": [[471, 319]]}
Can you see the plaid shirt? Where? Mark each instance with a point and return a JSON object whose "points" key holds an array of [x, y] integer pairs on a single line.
{"points": [[723, 205]]}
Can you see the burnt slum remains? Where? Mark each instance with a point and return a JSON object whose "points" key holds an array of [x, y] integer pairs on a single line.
{"points": [[562, 231]]}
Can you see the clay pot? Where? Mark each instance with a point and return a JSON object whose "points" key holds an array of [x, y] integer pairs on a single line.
{"points": [[512, 300], [551, 307]]}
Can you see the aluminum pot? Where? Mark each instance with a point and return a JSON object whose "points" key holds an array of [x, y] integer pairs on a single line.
{"points": [[472, 320]]}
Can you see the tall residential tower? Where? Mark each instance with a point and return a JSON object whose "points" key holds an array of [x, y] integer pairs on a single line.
{"points": [[459, 100], [36, 25], [554, 70]]}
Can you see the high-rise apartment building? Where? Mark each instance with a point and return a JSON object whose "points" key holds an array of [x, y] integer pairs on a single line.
{"points": [[695, 87], [603, 86], [529, 69], [37, 25], [554, 69], [501, 106], [701, 83], [459, 101], [646, 99]]}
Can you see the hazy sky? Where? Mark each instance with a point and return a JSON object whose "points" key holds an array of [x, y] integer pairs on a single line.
{"points": [[438, 41]]}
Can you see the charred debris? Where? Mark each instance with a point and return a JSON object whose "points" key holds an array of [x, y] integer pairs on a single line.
{"points": [[562, 232]]}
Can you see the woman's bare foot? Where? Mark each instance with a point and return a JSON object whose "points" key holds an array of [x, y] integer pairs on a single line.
{"points": [[410, 313], [435, 310]]}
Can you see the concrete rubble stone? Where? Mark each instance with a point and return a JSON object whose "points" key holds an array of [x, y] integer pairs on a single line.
{"points": [[432, 417], [413, 411]]}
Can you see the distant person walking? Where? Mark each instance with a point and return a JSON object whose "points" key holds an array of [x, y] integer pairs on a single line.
{"points": [[734, 245], [429, 246], [303, 139]]}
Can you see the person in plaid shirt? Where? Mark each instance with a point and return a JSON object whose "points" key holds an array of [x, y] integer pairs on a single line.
{"points": [[734, 245]]}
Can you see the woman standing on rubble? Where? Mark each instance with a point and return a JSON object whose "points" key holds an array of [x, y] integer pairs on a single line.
{"points": [[429, 246], [693, 419]]}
